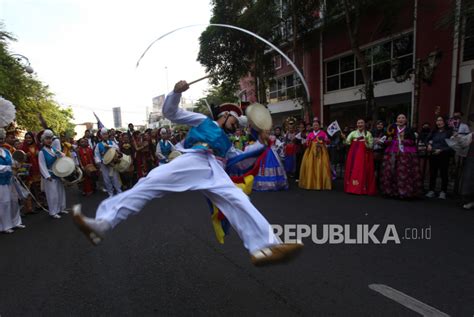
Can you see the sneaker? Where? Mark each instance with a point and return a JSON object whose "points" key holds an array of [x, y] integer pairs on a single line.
{"points": [[469, 205], [442, 195], [56, 216], [21, 226], [8, 231], [430, 194]]}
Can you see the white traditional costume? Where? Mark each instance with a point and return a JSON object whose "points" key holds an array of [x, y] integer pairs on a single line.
{"points": [[53, 186], [110, 175], [200, 168], [164, 148], [9, 207]]}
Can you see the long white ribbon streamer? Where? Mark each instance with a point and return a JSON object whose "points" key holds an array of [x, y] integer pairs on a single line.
{"points": [[300, 75]]}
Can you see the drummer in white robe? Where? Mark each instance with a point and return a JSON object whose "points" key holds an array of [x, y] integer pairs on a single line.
{"points": [[200, 168], [53, 186], [164, 147], [110, 176], [9, 207]]}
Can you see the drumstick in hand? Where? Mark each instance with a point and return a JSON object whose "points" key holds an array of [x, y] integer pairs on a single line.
{"points": [[198, 80]]}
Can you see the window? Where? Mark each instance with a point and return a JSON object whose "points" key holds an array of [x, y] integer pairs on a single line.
{"points": [[277, 61], [468, 46], [284, 88], [345, 72]]}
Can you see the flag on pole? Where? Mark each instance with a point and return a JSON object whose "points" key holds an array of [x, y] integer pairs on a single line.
{"points": [[333, 128], [100, 125]]}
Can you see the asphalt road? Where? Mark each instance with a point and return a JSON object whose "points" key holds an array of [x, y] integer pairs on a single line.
{"points": [[166, 261]]}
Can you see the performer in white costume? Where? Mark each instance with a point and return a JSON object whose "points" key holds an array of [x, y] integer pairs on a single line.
{"points": [[9, 208], [110, 175], [164, 147], [53, 186], [200, 168]]}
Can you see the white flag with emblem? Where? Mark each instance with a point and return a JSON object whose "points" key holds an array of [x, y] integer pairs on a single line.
{"points": [[333, 128]]}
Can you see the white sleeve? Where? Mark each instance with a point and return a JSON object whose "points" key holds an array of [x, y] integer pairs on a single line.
{"points": [[254, 147], [5, 168], [464, 129], [174, 113], [56, 145], [42, 165], [158, 152], [97, 157]]}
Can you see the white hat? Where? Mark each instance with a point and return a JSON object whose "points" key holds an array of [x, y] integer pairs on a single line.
{"points": [[243, 121], [163, 131], [46, 134], [64, 167], [3, 134], [104, 131]]}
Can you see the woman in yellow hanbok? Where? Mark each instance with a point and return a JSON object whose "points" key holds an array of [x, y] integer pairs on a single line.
{"points": [[315, 172]]}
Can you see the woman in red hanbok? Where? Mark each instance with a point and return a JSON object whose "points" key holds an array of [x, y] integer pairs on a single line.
{"points": [[33, 180], [359, 176], [86, 157]]}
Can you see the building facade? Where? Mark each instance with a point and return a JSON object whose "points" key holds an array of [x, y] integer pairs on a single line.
{"points": [[420, 67]]}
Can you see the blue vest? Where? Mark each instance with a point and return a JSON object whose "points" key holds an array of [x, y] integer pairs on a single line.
{"points": [[102, 148], [210, 133], [6, 177], [49, 160], [165, 148]]}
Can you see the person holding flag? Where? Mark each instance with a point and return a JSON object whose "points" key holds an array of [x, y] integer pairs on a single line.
{"points": [[315, 172]]}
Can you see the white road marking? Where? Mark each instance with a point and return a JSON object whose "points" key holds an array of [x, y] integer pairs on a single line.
{"points": [[407, 301]]}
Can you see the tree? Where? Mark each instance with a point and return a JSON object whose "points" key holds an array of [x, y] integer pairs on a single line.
{"points": [[29, 95], [229, 54], [215, 96]]}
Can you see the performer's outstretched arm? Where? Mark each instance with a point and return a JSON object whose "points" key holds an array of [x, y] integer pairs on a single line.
{"points": [[173, 112]]}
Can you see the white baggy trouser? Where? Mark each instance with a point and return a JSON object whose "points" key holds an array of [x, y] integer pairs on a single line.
{"points": [[55, 195], [194, 171]]}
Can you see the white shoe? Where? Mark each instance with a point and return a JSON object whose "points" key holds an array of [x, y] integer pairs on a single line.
{"points": [[95, 230], [275, 254], [430, 194], [21, 226], [64, 212], [442, 195], [8, 231], [56, 216], [469, 205]]}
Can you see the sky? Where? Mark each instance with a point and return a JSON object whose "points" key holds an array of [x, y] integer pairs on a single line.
{"points": [[86, 51]]}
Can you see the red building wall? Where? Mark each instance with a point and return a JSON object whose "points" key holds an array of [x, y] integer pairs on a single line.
{"points": [[429, 37]]}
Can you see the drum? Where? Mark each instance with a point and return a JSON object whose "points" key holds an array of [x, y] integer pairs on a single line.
{"points": [[123, 164], [90, 169], [63, 166], [19, 156], [173, 155], [74, 178], [110, 156], [259, 117]]}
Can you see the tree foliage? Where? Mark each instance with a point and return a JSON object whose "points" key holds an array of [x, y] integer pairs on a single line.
{"points": [[215, 96], [230, 54], [29, 95]]}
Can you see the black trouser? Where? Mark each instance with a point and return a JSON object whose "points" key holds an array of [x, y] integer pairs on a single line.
{"points": [[439, 162]]}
